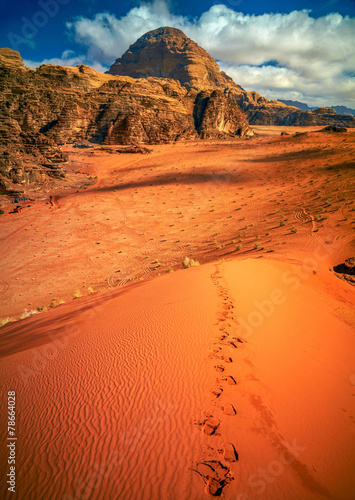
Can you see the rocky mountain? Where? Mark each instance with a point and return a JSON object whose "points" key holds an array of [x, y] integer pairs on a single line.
{"points": [[344, 110], [56, 104], [341, 110], [169, 53], [296, 104], [261, 111], [164, 88]]}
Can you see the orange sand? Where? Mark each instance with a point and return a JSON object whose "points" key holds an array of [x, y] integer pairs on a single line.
{"points": [[144, 213], [152, 388], [111, 399]]}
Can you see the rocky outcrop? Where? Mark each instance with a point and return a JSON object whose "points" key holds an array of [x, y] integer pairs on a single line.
{"points": [[169, 53], [215, 114], [333, 128], [10, 59], [261, 111], [54, 105], [346, 270], [163, 89]]}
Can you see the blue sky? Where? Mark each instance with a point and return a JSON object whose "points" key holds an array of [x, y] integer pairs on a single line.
{"points": [[300, 50]]}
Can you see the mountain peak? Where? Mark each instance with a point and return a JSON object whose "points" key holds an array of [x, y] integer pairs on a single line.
{"points": [[168, 53], [164, 32]]}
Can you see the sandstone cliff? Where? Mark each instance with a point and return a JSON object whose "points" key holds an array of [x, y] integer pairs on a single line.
{"points": [[164, 88], [169, 53], [55, 104]]}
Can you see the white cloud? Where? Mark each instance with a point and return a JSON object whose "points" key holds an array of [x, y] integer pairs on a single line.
{"points": [[68, 58], [107, 37], [315, 56]]}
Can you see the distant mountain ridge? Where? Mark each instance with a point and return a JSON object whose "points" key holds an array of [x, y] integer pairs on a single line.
{"points": [[341, 110], [296, 104]]}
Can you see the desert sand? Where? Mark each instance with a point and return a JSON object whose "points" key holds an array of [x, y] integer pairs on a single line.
{"points": [[236, 376], [135, 216], [117, 394]]}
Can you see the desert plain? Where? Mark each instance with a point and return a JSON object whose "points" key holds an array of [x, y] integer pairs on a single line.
{"points": [[137, 378]]}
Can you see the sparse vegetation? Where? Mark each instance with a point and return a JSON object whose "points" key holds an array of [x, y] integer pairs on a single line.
{"points": [[27, 314], [5, 321], [77, 294], [54, 303], [238, 247], [187, 262]]}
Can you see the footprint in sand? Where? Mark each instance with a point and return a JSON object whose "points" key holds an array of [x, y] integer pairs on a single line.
{"points": [[219, 368], [210, 426], [227, 359], [230, 380], [229, 453], [215, 475], [233, 344], [228, 409], [217, 392]]}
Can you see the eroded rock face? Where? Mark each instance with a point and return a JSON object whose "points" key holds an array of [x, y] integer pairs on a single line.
{"points": [[261, 111], [216, 115], [55, 104], [163, 89], [169, 53]]}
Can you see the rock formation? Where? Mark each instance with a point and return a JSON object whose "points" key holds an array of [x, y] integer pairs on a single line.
{"points": [[55, 104], [169, 53], [164, 88]]}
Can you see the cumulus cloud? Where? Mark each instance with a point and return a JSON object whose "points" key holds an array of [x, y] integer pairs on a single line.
{"points": [[108, 37], [312, 59]]}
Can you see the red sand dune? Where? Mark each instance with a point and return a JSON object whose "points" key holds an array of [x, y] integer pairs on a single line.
{"points": [[114, 400], [138, 215], [233, 378]]}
